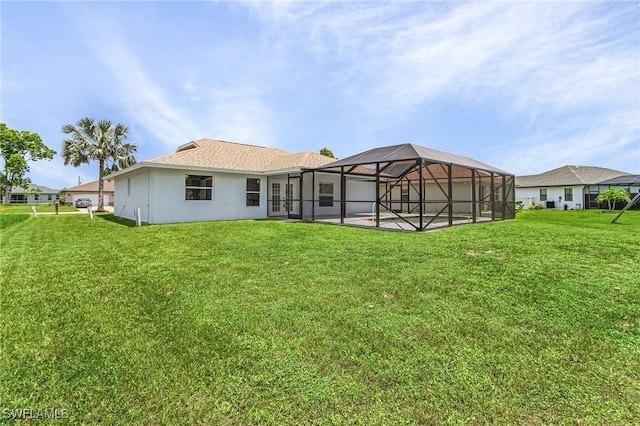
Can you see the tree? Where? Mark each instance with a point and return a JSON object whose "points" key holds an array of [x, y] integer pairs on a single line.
{"points": [[327, 152], [32, 191], [612, 195], [102, 142], [17, 148]]}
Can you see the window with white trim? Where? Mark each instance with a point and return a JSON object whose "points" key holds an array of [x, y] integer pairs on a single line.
{"points": [[325, 195], [543, 194], [568, 194], [253, 192], [198, 187]]}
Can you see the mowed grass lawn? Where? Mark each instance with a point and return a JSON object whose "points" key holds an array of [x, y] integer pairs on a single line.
{"points": [[532, 321]]}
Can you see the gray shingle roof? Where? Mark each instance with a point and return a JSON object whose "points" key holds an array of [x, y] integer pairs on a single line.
{"points": [[43, 189], [568, 176]]}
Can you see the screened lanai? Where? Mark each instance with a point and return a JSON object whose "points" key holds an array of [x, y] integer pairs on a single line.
{"points": [[407, 187]]}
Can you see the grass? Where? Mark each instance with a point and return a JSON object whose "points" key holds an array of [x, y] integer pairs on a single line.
{"points": [[27, 208], [532, 321]]}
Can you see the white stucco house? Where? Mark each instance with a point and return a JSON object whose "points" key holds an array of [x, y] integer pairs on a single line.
{"points": [[404, 187], [207, 180], [35, 194], [566, 185], [90, 190]]}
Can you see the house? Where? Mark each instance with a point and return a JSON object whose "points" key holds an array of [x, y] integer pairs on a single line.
{"points": [[35, 194], [405, 186], [565, 186], [90, 190], [207, 180]]}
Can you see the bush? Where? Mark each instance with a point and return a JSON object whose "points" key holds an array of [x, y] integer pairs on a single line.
{"points": [[535, 206]]}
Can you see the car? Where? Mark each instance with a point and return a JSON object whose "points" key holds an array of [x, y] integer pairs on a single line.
{"points": [[83, 202]]}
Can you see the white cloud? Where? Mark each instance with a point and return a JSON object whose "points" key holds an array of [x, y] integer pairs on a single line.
{"points": [[145, 102], [198, 108], [571, 69]]}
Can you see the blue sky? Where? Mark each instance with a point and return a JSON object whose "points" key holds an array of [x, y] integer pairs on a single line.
{"points": [[524, 86]]}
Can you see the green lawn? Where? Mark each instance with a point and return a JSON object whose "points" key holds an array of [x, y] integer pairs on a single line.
{"points": [[532, 321], [40, 208]]}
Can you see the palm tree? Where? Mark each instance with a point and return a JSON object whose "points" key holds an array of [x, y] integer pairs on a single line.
{"points": [[102, 142], [612, 195]]}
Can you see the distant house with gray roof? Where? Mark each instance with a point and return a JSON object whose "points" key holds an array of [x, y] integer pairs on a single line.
{"points": [[34, 194], [566, 185]]}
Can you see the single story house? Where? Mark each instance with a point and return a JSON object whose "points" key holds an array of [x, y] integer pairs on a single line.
{"points": [[565, 186], [35, 194], [410, 186], [207, 180], [90, 190]]}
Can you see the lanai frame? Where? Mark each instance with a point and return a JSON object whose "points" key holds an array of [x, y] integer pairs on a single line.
{"points": [[414, 167]]}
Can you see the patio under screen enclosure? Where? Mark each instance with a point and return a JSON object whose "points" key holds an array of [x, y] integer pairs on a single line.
{"points": [[402, 187]]}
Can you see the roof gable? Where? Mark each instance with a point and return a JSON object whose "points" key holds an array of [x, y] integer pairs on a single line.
{"points": [[108, 186]]}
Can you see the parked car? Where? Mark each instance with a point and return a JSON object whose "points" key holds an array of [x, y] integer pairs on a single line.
{"points": [[83, 202]]}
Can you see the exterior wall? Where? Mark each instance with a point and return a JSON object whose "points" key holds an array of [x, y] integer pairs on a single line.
{"points": [[359, 196], [358, 190], [333, 210], [555, 194], [436, 200], [132, 192], [160, 194], [43, 198]]}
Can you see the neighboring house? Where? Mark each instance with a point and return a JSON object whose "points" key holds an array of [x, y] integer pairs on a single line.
{"points": [[565, 186], [35, 194], [208, 180], [90, 190]]}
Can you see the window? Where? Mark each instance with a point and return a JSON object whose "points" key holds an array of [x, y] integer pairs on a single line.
{"points": [[568, 194], [57, 197], [198, 187], [543, 194], [36, 197], [275, 197], [128, 186], [404, 195], [49, 197], [326, 195], [253, 192]]}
